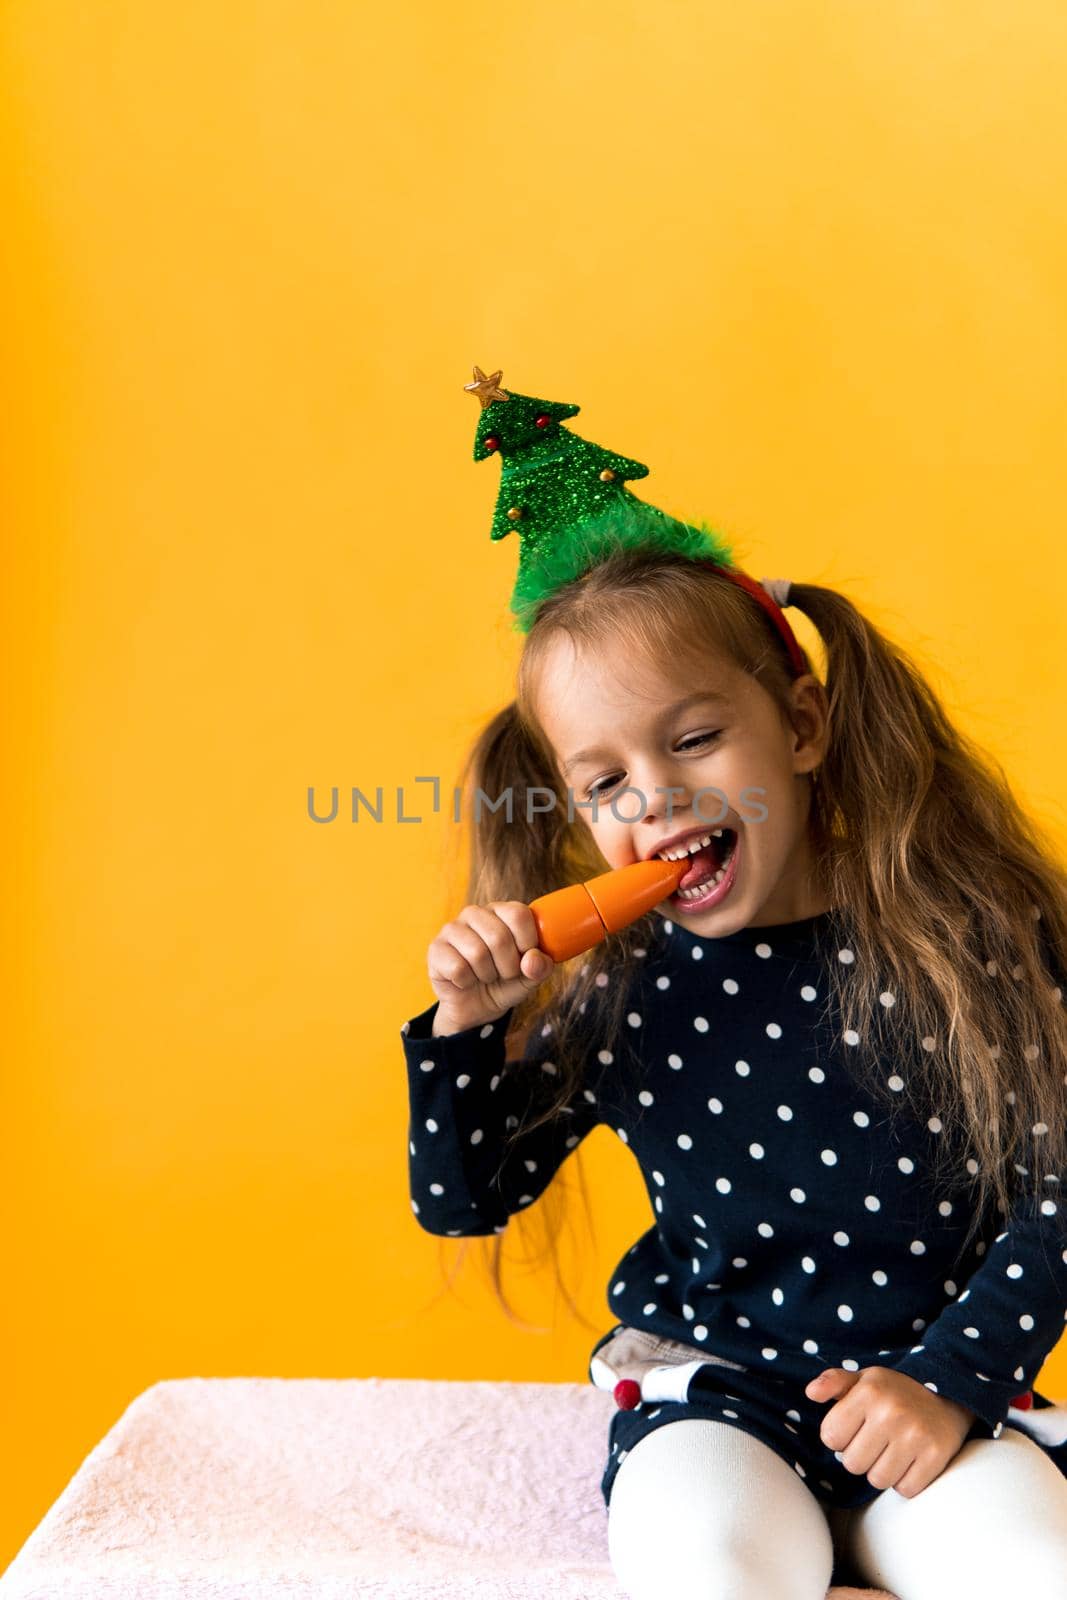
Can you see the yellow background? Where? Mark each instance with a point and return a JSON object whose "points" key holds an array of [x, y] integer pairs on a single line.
{"points": [[804, 260]]}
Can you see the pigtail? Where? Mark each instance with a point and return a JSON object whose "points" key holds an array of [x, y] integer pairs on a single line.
{"points": [[960, 904]]}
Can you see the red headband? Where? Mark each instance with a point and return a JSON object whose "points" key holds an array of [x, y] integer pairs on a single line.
{"points": [[772, 608]]}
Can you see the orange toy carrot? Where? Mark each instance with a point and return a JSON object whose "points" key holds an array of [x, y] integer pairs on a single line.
{"points": [[574, 919]]}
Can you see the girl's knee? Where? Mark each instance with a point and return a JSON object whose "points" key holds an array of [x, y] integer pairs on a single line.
{"points": [[703, 1511]]}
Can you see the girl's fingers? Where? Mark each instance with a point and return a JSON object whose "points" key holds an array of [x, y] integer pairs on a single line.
{"points": [[497, 940], [463, 957]]}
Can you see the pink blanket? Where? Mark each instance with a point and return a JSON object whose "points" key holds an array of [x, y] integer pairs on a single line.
{"points": [[385, 1488]]}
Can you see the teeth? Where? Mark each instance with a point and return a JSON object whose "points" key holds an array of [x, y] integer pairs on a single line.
{"points": [[709, 883], [689, 849]]}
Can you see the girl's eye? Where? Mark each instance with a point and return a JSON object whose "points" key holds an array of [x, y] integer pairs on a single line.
{"points": [[602, 785]]}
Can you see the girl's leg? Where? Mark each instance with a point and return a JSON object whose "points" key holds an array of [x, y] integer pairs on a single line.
{"points": [[701, 1510], [994, 1522]]}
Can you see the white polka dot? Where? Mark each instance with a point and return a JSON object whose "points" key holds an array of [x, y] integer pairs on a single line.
{"points": [[845, 1313], [777, 1296], [427, 1066], [756, 1150], [623, 1135], [437, 1188], [807, 1263], [605, 1057], [463, 1080], [816, 1074], [742, 1069], [829, 1157], [684, 1142], [896, 1082], [634, 1019], [477, 1136], [774, 1030], [929, 1042], [917, 1247], [663, 983], [601, 980], [768, 1353], [872, 1202], [798, 1195], [674, 1061], [431, 1124], [808, 993], [879, 1277], [785, 1113], [765, 1229], [715, 1104], [841, 1237], [645, 1097], [700, 1332], [935, 1124], [700, 1024], [763, 951], [811, 1347], [906, 1164], [846, 956], [861, 1119], [851, 1036], [888, 998], [697, 953], [659, 1178], [730, 985], [723, 1185], [648, 1310], [1026, 1321]]}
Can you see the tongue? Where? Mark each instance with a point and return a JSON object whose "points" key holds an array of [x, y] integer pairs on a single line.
{"points": [[704, 864]]}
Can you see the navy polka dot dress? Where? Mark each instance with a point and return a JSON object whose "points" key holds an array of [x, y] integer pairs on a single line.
{"points": [[796, 1227]]}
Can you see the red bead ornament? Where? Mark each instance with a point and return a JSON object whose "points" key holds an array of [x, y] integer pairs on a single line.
{"points": [[627, 1394], [491, 442], [542, 421], [1024, 1402]]}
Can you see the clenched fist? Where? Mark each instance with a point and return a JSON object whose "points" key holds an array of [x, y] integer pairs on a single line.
{"points": [[889, 1427]]}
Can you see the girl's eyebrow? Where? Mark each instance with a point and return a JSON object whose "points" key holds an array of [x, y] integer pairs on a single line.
{"points": [[702, 697]]}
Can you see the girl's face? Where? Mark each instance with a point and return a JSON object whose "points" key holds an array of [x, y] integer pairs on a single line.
{"points": [[668, 730]]}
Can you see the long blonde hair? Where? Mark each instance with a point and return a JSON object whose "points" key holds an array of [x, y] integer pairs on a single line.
{"points": [[956, 902]]}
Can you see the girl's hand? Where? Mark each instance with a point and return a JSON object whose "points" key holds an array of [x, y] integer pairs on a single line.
{"points": [[889, 1426], [483, 963]]}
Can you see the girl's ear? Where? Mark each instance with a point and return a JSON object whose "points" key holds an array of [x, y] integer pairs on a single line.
{"points": [[810, 722]]}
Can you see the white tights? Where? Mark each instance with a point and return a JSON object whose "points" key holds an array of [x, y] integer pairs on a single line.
{"points": [[701, 1510]]}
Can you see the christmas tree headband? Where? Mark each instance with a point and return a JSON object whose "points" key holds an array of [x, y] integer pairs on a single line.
{"points": [[567, 499]]}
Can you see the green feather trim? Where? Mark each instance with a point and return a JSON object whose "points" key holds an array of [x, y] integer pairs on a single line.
{"points": [[630, 524]]}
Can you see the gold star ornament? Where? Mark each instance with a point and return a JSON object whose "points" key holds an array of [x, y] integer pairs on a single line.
{"points": [[487, 389]]}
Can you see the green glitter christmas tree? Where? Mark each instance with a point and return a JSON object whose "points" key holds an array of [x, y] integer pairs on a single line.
{"points": [[566, 497]]}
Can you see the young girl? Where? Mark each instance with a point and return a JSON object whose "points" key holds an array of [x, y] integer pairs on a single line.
{"points": [[838, 1053]]}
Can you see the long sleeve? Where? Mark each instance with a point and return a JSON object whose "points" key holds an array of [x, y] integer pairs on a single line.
{"points": [[988, 1345], [464, 1098]]}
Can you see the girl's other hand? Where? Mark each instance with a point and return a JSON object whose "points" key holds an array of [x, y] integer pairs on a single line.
{"points": [[889, 1427], [483, 963]]}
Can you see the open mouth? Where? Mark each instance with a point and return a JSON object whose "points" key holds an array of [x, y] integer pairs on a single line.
{"points": [[711, 856]]}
